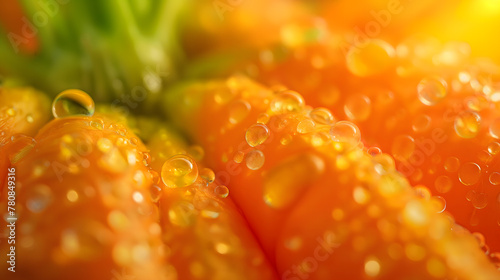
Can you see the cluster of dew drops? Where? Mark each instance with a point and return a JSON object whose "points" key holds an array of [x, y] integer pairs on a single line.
{"points": [[177, 172]]}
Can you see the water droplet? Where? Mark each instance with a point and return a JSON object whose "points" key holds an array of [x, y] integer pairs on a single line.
{"points": [[421, 123], [439, 203], [39, 197], [287, 102], [238, 111], [263, 118], [97, 124], [196, 152], [495, 128], [256, 134], [357, 107], [179, 171], [255, 159], [443, 184], [494, 148], [372, 58], [423, 192], [155, 193], [306, 126], [495, 178], [479, 201], [452, 164], [284, 183], [346, 133], [29, 118], [221, 191], [467, 124], [207, 174], [73, 102], [403, 147], [239, 156], [373, 151], [469, 173], [322, 116], [431, 90]]}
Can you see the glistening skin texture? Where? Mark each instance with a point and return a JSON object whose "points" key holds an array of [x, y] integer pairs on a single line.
{"points": [[418, 99], [123, 220], [341, 213]]}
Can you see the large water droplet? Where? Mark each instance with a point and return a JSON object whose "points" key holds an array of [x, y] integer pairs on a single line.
{"points": [[73, 102], [431, 90], [346, 134], [256, 134], [443, 184], [322, 116], [495, 128], [403, 147], [287, 102], [179, 171], [451, 164], [469, 173], [357, 107], [238, 111], [255, 159], [467, 124]]}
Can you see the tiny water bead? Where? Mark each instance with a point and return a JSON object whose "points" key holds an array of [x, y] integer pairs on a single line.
{"points": [[432, 90], [287, 102], [495, 128], [73, 102], [238, 111], [347, 133], [373, 151], [322, 116], [443, 184], [495, 178], [256, 134], [494, 148], [306, 126], [421, 123], [452, 164], [357, 107], [255, 159], [439, 203], [155, 193], [179, 171], [221, 191], [469, 173], [207, 174], [479, 200], [403, 147], [467, 124], [371, 58]]}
